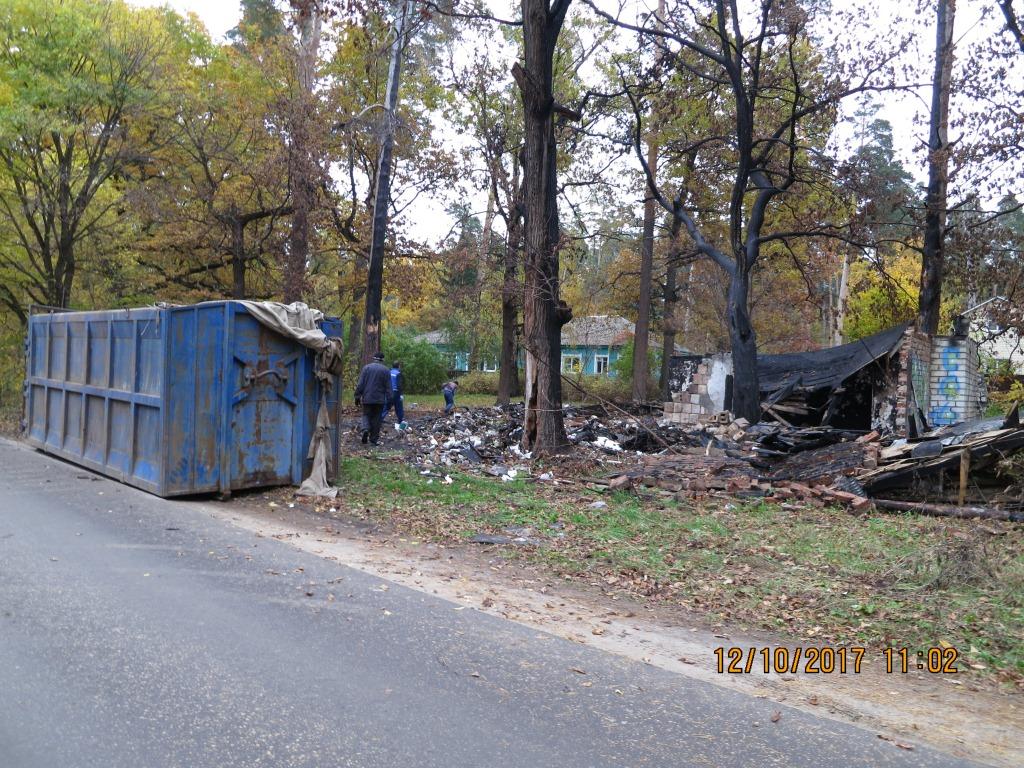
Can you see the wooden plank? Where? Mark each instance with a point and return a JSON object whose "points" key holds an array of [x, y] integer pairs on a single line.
{"points": [[965, 469]]}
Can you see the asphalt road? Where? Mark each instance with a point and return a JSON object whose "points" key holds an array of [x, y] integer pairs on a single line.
{"points": [[143, 633]]}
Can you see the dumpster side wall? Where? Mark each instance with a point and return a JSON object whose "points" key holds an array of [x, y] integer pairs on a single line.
{"points": [[179, 400], [93, 391]]}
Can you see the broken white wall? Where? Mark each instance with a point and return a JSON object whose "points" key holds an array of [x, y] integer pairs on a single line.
{"points": [[698, 392], [720, 368]]}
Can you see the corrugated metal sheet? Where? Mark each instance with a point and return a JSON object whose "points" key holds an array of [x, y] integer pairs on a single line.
{"points": [[175, 401]]}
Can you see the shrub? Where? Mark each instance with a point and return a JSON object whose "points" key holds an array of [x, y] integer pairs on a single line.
{"points": [[623, 367], [12, 363], [424, 368], [612, 388], [479, 383]]}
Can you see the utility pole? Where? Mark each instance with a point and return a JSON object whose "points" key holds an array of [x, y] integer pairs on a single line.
{"points": [[382, 193]]}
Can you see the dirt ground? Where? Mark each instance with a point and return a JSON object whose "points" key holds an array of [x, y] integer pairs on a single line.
{"points": [[956, 714]]}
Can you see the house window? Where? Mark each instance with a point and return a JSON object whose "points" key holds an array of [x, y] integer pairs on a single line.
{"points": [[489, 365], [601, 364], [572, 364]]}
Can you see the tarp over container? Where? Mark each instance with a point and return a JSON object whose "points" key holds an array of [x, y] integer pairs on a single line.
{"points": [[178, 399]]}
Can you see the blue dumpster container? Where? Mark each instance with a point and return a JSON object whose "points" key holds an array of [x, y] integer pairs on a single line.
{"points": [[175, 400]]}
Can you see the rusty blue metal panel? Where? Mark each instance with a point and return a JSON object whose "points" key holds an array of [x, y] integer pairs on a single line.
{"points": [[176, 401]]}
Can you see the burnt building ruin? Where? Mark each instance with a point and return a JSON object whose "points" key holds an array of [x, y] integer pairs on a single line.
{"points": [[899, 381]]}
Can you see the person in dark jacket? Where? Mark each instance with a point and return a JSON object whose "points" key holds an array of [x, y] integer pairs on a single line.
{"points": [[397, 388], [373, 392]]}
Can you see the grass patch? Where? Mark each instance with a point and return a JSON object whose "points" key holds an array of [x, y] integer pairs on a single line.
{"points": [[461, 399], [818, 574]]}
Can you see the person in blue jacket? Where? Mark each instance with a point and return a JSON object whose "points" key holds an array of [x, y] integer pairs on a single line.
{"points": [[397, 390]]}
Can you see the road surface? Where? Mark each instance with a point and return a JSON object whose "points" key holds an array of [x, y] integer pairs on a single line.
{"points": [[144, 633]]}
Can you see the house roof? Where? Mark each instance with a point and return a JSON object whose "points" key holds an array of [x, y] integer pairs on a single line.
{"points": [[434, 337], [597, 331], [586, 331]]}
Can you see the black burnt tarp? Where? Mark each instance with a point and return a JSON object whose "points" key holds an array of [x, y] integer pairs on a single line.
{"points": [[834, 386], [825, 368]]}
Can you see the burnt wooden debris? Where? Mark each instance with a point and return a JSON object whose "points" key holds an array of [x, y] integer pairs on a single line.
{"points": [[966, 470], [829, 387]]}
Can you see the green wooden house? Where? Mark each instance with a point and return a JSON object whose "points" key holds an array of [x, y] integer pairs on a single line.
{"points": [[590, 345]]}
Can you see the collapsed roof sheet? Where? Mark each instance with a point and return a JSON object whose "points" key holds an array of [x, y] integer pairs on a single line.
{"points": [[826, 367]]}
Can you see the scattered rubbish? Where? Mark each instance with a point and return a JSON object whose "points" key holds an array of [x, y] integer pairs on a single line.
{"points": [[963, 470], [971, 469]]}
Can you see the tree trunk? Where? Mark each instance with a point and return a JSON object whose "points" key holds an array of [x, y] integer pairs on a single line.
{"points": [[382, 195], [668, 323], [303, 168], [745, 391], [483, 266], [643, 316], [65, 274], [543, 312], [237, 260], [844, 298], [930, 299], [508, 365]]}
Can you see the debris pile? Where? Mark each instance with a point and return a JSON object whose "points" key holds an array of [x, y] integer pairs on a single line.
{"points": [[966, 470], [476, 436], [938, 473]]}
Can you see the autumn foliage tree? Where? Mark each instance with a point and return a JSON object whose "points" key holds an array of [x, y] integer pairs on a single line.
{"points": [[79, 85], [544, 313], [765, 73]]}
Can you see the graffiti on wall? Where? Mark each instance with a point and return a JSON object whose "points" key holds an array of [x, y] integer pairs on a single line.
{"points": [[949, 396]]}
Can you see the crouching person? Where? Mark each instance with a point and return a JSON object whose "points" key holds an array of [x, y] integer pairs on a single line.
{"points": [[448, 390]]}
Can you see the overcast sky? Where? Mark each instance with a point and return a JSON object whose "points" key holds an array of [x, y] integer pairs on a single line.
{"points": [[904, 111]]}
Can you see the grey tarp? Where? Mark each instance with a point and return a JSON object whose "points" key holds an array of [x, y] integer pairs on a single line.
{"points": [[317, 483], [296, 321]]}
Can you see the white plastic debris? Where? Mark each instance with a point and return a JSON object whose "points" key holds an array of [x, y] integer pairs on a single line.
{"points": [[607, 444], [447, 480], [521, 453]]}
